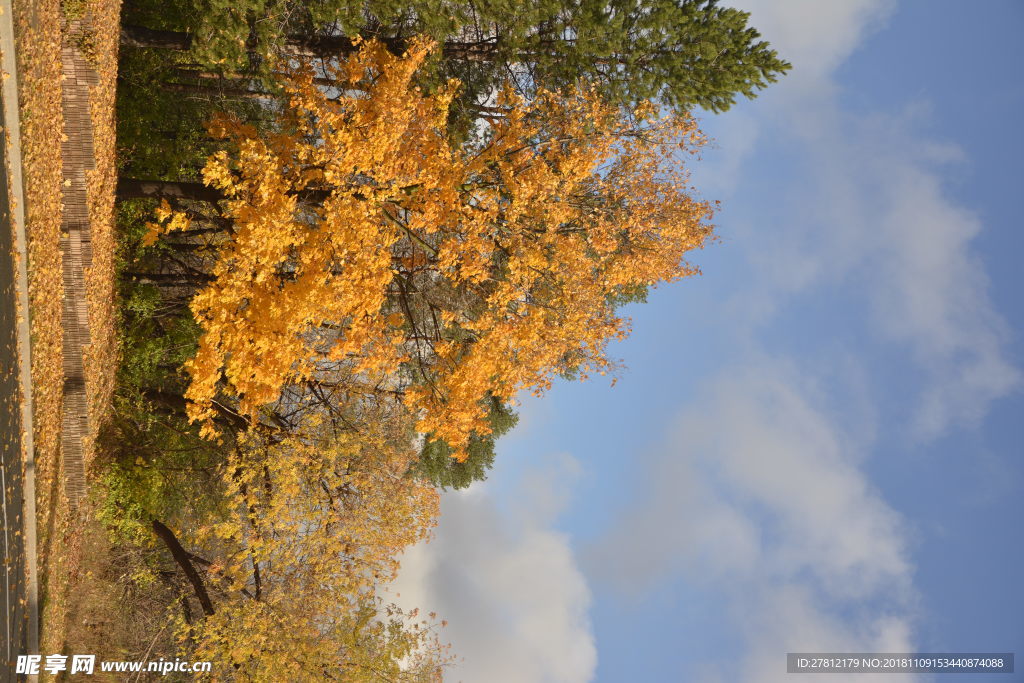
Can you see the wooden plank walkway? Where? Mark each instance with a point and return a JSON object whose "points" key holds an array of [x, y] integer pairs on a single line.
{"points": [[76, 247]]}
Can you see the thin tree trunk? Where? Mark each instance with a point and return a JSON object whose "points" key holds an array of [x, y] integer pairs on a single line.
{"points": [[140, 36], [319, 46], [215, 91], [132, 188], [193, 232], [188, 247], [168, 279], [241, 83], [177, 403]]}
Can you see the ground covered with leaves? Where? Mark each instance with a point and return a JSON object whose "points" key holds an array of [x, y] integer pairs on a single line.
{"points": [[38, 33], [68, 550]]}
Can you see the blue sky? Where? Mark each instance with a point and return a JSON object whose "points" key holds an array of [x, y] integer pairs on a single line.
{"points": [[816, 444]]}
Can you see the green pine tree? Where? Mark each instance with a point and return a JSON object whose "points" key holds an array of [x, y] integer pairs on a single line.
{"points": [[437, 465], [685, 53]]}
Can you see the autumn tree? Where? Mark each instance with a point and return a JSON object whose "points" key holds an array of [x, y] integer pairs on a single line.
{"points": [[283, 583], [369, 254]]}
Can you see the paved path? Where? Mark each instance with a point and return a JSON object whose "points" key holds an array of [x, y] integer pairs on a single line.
{"points": [[20, 591], [15, 628]]}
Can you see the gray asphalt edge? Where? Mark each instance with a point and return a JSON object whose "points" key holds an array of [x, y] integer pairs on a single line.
{"points": [[9, 65]]}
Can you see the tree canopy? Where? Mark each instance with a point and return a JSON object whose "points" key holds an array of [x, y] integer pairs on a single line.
{"points": [[368, 250]]}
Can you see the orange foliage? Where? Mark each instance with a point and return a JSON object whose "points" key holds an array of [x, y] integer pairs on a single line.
{"points": [[364, 236]]}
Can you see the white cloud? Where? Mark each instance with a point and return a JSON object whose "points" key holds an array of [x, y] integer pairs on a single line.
{"points": [[508, 584], [814, 36], [863, 207], [757, 496], [874, 218], [789, 618], [933, 295]]}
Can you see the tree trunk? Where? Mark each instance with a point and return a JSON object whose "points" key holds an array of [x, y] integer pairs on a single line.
{"points": [[177, 403], [132, 188], [182, 558], [215, 91], [213, 223], [242, 84], [188, 247], [168, 279], [318, 46], [140, 36]]}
